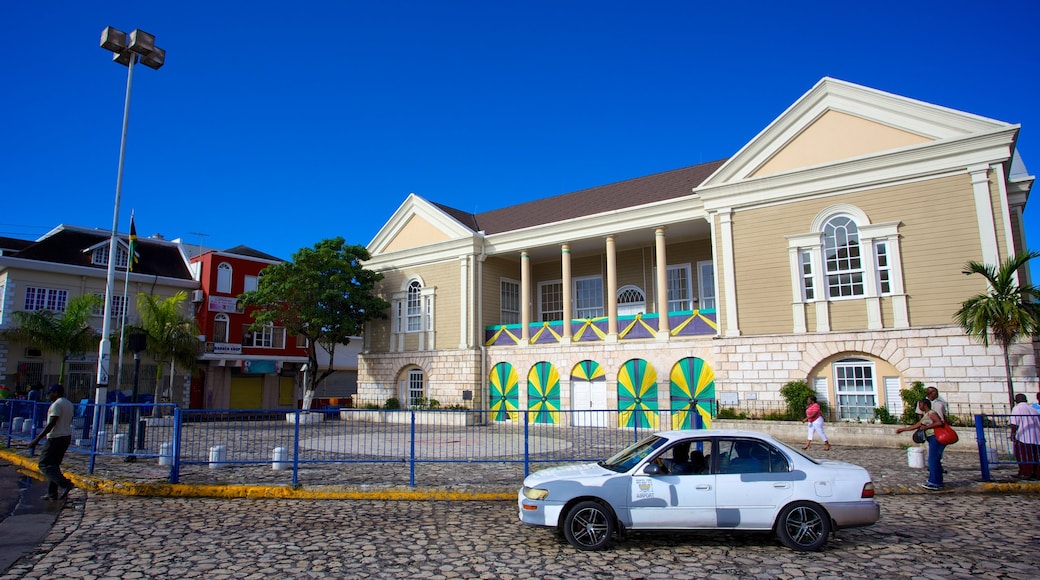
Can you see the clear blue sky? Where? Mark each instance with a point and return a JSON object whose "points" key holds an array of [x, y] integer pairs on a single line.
{"points": [[278, 124]]}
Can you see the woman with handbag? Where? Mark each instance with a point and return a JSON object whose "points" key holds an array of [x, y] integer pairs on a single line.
{"points": [[930, 421]]}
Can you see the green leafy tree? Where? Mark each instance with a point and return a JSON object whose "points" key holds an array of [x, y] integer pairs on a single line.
{"points": [[324, 295], [172, 335], [61, 333], [911, 395], [1008, 310]]}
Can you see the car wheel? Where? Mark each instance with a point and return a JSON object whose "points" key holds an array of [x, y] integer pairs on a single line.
{"points": [[803, 526], [588, 526]]}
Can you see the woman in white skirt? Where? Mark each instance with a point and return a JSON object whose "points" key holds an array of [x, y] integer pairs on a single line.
{"points": [[814, 418]]}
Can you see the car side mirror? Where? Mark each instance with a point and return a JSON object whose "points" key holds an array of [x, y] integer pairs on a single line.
{"points": [[653, 469]]}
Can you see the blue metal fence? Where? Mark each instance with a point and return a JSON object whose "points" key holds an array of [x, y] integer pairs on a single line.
{"points": [[242, 446]]}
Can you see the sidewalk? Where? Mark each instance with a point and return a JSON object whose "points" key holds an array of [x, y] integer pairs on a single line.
{"points": [[458, 481]]}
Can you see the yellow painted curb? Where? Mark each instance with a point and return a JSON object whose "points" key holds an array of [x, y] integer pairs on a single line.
{"points": [[99, 485]]}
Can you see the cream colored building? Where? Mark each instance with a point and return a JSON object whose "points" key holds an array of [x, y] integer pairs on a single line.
{"points": [[830, 248]]}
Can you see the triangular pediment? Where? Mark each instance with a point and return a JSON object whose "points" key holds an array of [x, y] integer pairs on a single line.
{"points": [[416, 223], [838, 121]]}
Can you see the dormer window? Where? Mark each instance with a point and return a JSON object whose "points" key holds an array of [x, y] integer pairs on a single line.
{"points": [[99, 256]]}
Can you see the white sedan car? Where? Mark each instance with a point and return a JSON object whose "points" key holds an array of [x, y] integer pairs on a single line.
{"points": [[701, 480]]}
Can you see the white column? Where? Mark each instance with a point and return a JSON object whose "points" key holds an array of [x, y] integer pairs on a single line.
{"points": [[984, 213], [568, 307], [728, 274], [663, 328], [611, 290], [464, 306], [525, 298]]}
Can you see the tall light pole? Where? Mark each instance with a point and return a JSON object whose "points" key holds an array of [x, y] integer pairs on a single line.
{"points": [[128, 49]]}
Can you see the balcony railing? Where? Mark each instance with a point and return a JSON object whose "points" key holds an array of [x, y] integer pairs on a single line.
{"points": [[630, 327]]}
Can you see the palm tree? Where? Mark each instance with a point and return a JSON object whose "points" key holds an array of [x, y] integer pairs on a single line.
{"points": [[1009, 310], [59, 333], [172, 337]]}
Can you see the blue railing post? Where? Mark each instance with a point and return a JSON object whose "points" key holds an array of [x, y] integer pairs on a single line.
{"points": [[527, 446], [980, 436], [411, 454], [296, 450], [175, 464]]}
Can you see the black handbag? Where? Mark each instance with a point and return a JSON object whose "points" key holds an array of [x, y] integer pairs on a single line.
{"points": [[919, 436]]}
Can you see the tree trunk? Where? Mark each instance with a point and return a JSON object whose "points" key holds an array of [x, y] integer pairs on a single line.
{"points": [[308, 398], [1007, 371]]}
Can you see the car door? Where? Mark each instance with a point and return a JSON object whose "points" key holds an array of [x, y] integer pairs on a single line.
{"points": [[669, 500], [754, 480]]}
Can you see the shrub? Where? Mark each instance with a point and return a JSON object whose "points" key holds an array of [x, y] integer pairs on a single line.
{"points": [[883, 416], [796, 393], [910, 398], [729, 413], [392, 403]]}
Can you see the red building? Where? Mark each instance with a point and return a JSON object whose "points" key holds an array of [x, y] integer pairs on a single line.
{"points": [[240, 368]]}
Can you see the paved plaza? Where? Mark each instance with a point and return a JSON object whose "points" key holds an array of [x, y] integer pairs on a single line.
{"points": [[969, 530]]}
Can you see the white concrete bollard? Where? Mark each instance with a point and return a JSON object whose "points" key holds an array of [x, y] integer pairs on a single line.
{"points": [[217, 456], [280, 458], [27, 426], [119, 443], [166, 454], [16, 426]]}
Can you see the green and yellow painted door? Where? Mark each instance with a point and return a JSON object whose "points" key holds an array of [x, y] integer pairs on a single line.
{"points": [[692, 393], [504, 386], [543, 394], [637, 395]]}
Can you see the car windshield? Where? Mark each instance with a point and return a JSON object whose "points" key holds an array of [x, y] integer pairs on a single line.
{"points": [[628, 457]]}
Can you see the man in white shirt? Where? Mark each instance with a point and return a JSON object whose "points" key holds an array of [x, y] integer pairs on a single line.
{"points": [[938, 403], [59, 436], [1025, 433]]}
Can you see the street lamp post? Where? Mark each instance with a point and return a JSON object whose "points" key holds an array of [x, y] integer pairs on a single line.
{"points": [[128, 49]]}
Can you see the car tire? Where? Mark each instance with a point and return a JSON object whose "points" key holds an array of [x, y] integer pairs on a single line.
{"points": [[589, 525], [803, 526]]}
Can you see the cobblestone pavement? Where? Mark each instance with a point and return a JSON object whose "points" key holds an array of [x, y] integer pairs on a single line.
{"points": [[116, 537]]}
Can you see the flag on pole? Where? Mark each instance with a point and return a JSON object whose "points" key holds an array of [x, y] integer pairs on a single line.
{"points": [[132, 258]]}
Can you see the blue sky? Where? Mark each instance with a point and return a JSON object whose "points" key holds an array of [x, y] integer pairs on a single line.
{"points": [[278, 124]]}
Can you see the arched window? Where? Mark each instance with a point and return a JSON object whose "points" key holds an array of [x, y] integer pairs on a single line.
{"points": [[843, 264], [224, 278], [413, 307], [220, 327], [631, 300]]}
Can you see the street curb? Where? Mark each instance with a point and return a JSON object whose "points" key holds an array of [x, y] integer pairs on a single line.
{"points": [[132, 488]]}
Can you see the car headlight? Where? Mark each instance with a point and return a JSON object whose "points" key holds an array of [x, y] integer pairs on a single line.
{"points": [[535, 493]]}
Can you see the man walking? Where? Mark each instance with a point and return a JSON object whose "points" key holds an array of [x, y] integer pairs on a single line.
{"points": [[59, 435], [1025, 434], [938, 403]]}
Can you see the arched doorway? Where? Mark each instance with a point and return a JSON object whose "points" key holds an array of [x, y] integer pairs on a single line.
{"points": [[543, 394], [588, 393], [692, 393], [637, 395], [504, 393]]}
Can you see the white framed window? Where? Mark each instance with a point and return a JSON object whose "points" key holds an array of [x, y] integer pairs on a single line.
{"points": [[884, 268], [99, 256], [414, 305], [855, 388], [510, 301], [46, 299], [843, 265], [250, 283], [267, 336], [680, 288], [706, 284], [806, 268], [220, 327], [416, 387], [588, 297], [631, 300], [224, 272], [550, 300], [118, 305]]}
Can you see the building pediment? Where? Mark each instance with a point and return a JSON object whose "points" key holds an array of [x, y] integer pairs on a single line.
{"points": [[417, 223], [837, 121]]}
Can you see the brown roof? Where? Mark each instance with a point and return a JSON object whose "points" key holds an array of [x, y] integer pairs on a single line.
{"points": [[66, 246], [615, 196]]}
